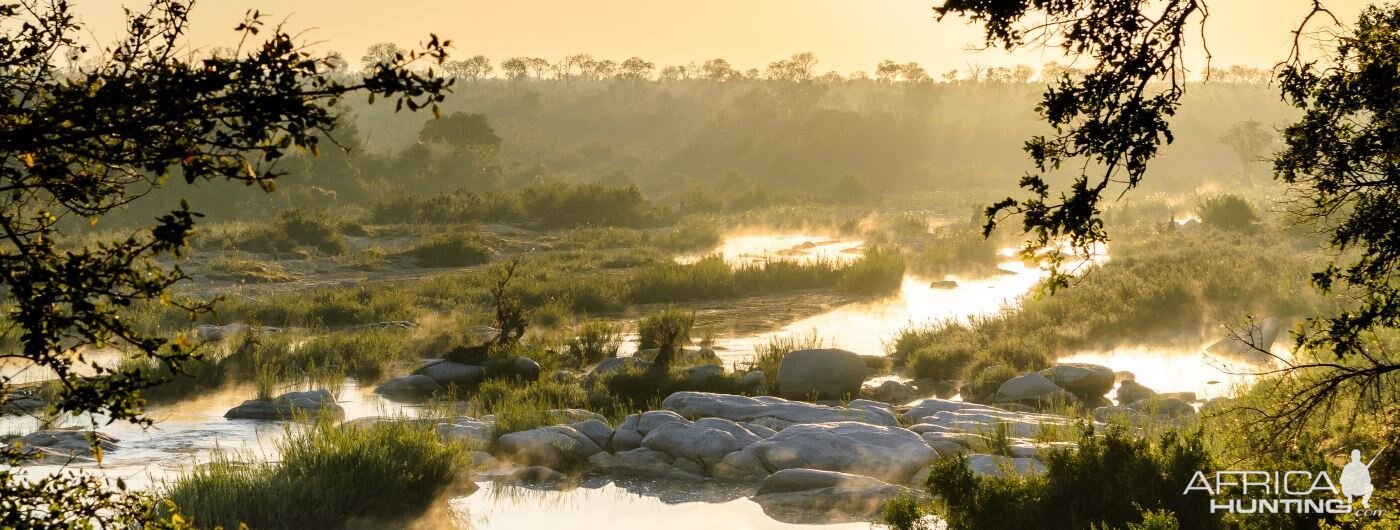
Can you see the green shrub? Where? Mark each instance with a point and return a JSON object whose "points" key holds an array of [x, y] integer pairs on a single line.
{"points": [[671, 323], [458, 248], [668, 281], [596, 340], [1108, 481], [644, 389], [941, 361], [1228, 212], [880, 271], [326, 477], [904, 512]]}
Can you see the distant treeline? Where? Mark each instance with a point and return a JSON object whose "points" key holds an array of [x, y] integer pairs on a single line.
{"points": [[708, 138]]}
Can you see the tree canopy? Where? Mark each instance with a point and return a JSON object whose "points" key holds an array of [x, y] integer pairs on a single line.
{"points": [[80, 140]]}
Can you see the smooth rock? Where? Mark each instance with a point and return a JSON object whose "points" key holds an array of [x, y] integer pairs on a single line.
{"points": [[701, 444], [525, 369], [835, 497], [1130, 391], [626, 437], [416, 385], [753, 382], [828, 373], [614, 364], [698, 375], [1081, 379], [652, 419], [892, 454], [755, 409], [893, 392], [291, 405], [595, 430], [447, 373], [555, 447], [62, 446], [639, 463], [740, 466], [1031, 388]]}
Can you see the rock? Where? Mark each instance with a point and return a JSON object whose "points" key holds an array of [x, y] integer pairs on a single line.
{"points": [[1081, 379], [772, 424], [759, 430], [982, 387], [943, 284], [595, 430], [689, 466], [416, 385], [894, 392], [62, 446], [704, 444], [942, 389], [1022, 448], [555, 447], [740, 466], [614, 364], [753, 382], [1017, 424], [698, 375], [474, 432], [483, 461], [652, 419], [1189, 397], [291, 405], [1130, 391], [823, 373], [928, 407], [1001, 466], [539, 474], [892, 454], [525, 369], [826, 493], [685, 357], [626, 437], [21, 401], [1166, 408], [763, 408], [561, 416], [452, 373], [640, 463], [1031, 388]]}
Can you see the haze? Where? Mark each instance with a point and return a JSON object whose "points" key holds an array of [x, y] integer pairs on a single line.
{"points": [[845, 35]]}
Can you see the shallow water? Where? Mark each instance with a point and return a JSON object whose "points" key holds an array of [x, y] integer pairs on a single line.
{"points": [[186, 434], [606, 504]]}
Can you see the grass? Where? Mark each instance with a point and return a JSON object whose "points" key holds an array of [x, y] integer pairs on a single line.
{"points": [[457, 248], [1162, 288], [326, 477], [596, 340], [768, 356], [670, 323], [245, 269]]}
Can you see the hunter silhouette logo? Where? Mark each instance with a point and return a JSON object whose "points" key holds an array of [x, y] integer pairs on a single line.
{"points": [[1297, 491], [1356, 479]]}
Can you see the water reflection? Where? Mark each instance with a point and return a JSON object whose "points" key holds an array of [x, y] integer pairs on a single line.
{"points": [[187, 433], [607, 504]]}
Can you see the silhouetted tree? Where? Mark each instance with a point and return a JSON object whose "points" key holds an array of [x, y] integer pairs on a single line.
{"points": [[105, 135]]}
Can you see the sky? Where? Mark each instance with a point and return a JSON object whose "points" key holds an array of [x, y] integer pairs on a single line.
{"points": [[845, 35]]}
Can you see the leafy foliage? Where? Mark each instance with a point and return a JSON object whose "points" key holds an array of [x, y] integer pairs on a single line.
{"points": [[82, 143], [1108, 481]]}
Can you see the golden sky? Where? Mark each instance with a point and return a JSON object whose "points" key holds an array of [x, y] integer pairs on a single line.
{"points": [[846, 35]]}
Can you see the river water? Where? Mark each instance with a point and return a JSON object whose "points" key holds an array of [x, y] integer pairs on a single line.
{"points": [[187, 433]]}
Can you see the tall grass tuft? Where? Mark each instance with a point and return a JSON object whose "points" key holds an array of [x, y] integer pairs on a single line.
{"points": [[326, 477], [880, 271], [768, 356], [596, 340]]}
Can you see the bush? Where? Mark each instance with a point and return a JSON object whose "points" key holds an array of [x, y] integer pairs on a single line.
{"points": [[459, 248], [596, 340], [1108, 481], [644, 389], [326, 477], [941, 361], [880, 271], [1228, 212], [904, 512], [671, 324]]}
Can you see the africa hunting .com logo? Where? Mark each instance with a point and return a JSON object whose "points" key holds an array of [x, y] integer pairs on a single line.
{"points": [[1290, 492]]}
